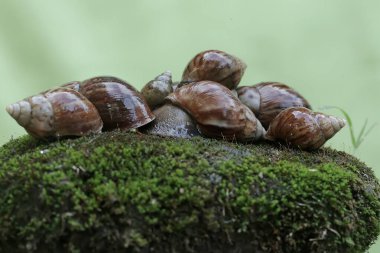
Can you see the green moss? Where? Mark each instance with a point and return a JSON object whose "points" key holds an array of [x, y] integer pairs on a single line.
{"points": [[127, 192]]}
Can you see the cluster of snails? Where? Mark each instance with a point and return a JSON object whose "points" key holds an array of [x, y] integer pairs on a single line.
{"points": [[206, 102]]}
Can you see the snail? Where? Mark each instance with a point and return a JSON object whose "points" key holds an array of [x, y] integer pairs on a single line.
{"points": [[268, 99], [156, 90], [118, 103], [75, 85], [175, 85], [303, 128], [56, 113], [217, 111], [171, 121], [217, 66]]}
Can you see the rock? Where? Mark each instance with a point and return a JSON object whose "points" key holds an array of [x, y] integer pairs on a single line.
{"points": [[128, 192]]}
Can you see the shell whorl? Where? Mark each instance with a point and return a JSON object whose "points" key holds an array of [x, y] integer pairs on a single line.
{"points": [[119, 104], [57, 112], [268, 99], [36, 114], [217, 111], [329, 125], [217, 66], [157, 89], [20, 111], [300, 127]]}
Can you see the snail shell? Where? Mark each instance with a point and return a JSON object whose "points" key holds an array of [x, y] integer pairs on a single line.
{"points": [[156, 90], [217, 66], [300, 127], [171, 121], [175, 85], [118, 103], [75, 85], [217, 111], [59, 112], [268, 99]]}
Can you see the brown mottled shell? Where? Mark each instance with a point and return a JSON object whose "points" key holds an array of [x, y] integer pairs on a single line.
{"points": [[58, 112], [171, 121], [300, 127], [156, 90], [118, 103], [268, 99], [217, 111], [217, 66], [75, 85]]}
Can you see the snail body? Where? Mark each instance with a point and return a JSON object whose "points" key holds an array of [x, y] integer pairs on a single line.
{"points": [[217, 111], [118, 103], [171, 121], [56, 113], [303, 128], [156, 90], [217, 66], [268, 99]]}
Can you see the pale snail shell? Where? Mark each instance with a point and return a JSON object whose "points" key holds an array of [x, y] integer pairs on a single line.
{"points": [[300, 127], [217, 66], [217, 111], [118, 103], [268, 99], [171, 121], [75, 85], [156, 90], [56, 113], [175, 85]]}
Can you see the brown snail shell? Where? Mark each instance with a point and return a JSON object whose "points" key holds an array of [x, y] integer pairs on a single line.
{"points": [[300, 127], [217, 111], [75, 85], [268, 99], [156, 90], [217, 66], [118, 103], [59, 112], [171, 121]]}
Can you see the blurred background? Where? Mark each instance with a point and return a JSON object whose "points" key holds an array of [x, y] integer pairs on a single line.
{"points": [[329, 51]]}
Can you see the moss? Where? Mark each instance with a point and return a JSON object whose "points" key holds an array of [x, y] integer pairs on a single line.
{"points": [[127, 192]]}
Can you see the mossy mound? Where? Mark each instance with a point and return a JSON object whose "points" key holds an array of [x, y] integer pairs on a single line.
{"points": [[128, 192]]}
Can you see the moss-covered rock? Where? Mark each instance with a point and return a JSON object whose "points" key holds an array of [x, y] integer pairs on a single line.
{"points": [[127, 192]]}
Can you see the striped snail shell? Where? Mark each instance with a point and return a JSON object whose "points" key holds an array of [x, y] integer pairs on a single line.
{"points": [[118, 103], [56, 113], [268, 99], [217, 111], [171, 121], [303, 128], [75, 85], [217, 66], [156, 90]]}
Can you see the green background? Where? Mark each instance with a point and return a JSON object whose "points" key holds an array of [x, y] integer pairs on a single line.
{"points": [[329, 51]]}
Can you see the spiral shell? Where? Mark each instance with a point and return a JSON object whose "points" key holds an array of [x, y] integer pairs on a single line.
{"points": [[300, 127], [118, 103], [171, 121], [268, 99], [217, 66], [156, 90], [59, 112], [217, 111], [75, 85]]}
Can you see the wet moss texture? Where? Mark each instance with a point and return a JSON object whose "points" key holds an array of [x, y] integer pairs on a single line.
{"points": [[128, 192]]}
